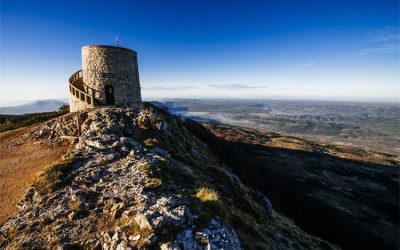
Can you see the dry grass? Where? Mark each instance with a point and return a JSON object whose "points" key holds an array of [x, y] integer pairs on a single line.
{"points": [[51, 178], [151, 142], [128, 225], [75, 205], [205, 194], [153, 183], [11, 132], [144, 167], [19, 163]]}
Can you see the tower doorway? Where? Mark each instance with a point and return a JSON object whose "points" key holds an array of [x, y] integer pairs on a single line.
{"points": [[109, 95]]}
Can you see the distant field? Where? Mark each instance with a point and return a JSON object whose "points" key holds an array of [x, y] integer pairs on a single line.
{"points": [[373, 126]]}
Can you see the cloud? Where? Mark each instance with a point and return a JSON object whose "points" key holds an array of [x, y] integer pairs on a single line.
{"points": [[238, 86], [215, 86], [381, 49], [381, 41], [307, 64], [169, 87], [389, 33]]}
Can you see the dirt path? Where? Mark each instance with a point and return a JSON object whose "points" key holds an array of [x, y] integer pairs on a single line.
{"points": [[20, 161]]}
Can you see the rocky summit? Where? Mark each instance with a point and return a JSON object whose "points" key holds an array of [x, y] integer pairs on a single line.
{"points": [[138, 179]]}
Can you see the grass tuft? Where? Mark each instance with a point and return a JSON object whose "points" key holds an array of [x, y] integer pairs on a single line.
{"points": [[151, 142], [51, 178], [153, 183], [205, 194], [128, 225], [144, 167], [75, 205]]}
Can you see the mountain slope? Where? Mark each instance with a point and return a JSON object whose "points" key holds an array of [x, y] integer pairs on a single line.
{"points": [[343, 194], [140, 179]]}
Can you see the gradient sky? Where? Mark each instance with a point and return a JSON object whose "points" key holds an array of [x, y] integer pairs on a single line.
{"points": [[339, 49]]}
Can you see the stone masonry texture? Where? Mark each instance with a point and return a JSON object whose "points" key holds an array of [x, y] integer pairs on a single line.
{"points": [[104, 66]]}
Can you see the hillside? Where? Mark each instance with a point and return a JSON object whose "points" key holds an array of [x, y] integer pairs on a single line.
{"points": [[346, 195], [140, 179], [20, 160]]}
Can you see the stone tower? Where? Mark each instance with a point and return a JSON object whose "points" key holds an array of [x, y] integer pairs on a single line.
{"points": [[109, 77]]}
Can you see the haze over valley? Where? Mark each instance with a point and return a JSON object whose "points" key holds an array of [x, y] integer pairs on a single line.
{"points": [[373, 126]]}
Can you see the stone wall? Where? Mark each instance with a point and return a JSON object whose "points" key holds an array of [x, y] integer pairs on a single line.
{"points": [[76, 105], [115, 66]]}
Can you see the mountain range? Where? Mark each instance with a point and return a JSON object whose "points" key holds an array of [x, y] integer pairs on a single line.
{"points": [[33, 107]]}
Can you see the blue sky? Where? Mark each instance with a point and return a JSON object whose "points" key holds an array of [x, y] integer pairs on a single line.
{"points": [[329, 50]]}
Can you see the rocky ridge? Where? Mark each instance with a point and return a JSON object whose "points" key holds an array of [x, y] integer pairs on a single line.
{"points": [[137, 179]]}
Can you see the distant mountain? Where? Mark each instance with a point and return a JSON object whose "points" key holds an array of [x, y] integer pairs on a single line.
{"points": [[33, 107]]}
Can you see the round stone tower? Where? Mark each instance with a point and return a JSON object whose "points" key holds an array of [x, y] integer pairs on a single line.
{"points": [[109, 77]]}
